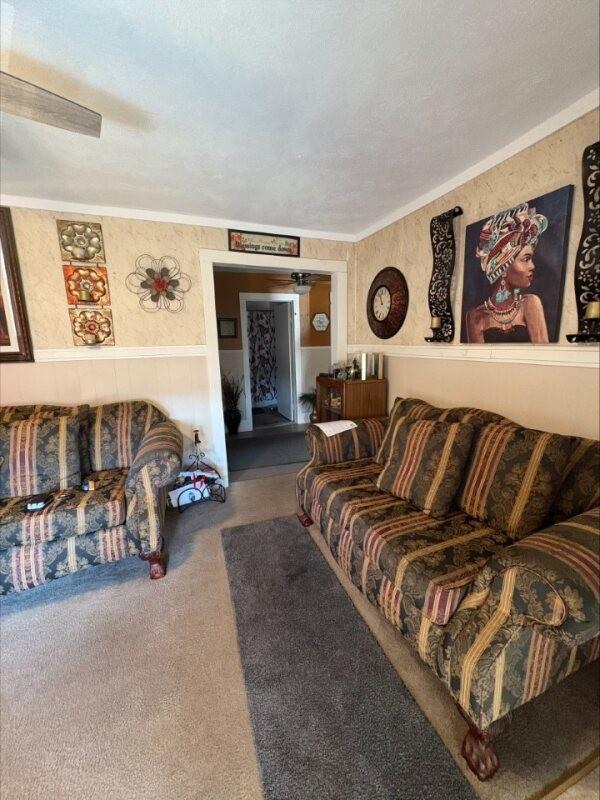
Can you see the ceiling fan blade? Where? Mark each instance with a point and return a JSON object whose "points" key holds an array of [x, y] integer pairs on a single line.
{"points": [[27, 100]]}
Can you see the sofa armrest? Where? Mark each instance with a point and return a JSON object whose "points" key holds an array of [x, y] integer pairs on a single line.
{"points": [[159, 454], [531, 620], [360, 442], [155, 466]]}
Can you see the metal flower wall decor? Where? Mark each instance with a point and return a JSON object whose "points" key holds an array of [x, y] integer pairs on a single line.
{"points": [[159, 283]]}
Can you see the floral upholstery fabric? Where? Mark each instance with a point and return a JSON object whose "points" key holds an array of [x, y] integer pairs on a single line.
{"points": [[537, 625], [478, 417], [580, 486], [426, 463], [116, 431], [39, 455], [29, 566], [513, 477], [360, 442], [72, 512], [408, 409]]}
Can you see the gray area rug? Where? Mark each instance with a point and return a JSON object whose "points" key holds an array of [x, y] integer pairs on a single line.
{"points": [[331, 718], [266, 450]]}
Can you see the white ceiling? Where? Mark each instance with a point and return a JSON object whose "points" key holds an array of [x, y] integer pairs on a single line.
{"points": [[316, 114]]}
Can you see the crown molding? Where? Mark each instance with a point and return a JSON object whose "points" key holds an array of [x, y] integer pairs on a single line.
{"points": [[44, 204], [549, 126], [547, 355], [98, 352]]}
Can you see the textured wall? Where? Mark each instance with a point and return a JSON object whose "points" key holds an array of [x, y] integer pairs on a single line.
{"points": [[547, 165], [124, 240]]}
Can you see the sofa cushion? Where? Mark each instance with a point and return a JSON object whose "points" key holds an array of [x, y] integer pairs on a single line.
{"points": [[580, 486], [474, 416], [319, 483], [432, 561], [116, 430], [426, 463], [513, 477], [71, 513], [39, 455], [404, 408]]}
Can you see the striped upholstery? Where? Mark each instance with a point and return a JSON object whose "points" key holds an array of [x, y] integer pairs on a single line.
{"points": [[70, 513], [360, 442], [39, 455], [123, 515], [551, 578], [409, 409], [580, 486], [116, 431], [29, 566], [426, 463], [513, 477], [477, 417]]}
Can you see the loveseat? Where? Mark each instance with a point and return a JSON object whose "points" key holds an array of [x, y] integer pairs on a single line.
{"points": [[105, 470], [477, 539]]}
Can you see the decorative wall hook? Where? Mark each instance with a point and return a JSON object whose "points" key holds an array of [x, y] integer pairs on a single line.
{"points": [[443, 247], [587, 262]]}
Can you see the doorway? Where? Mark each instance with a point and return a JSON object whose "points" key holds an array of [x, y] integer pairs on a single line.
{"points": [[271, 358]]}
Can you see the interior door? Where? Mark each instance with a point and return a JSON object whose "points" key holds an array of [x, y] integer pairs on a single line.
{"points": [[284, 360]]}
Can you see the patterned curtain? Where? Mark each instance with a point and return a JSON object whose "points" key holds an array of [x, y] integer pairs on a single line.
{"points": [[261, 340]]}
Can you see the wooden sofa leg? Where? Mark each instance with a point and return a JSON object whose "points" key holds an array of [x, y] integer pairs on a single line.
{"points": [[157, 564], [478, 748], [304, 519]]}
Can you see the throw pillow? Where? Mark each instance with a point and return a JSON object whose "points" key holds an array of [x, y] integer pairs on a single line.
{"points": [[426, 463], [407, 408], [513, 476], [39, 455]]}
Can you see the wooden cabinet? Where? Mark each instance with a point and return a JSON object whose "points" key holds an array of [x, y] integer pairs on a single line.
{"points": [[352, 399]]}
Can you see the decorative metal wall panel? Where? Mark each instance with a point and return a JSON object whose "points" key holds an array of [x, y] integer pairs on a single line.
{"points": [[587, 262], [443, 247]]}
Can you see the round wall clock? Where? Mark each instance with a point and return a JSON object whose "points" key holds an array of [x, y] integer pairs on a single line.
{"points": [[387, 302]]}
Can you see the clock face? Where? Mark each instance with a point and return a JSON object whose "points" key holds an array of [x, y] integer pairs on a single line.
{"points": [[382, 302], [387, 302]]}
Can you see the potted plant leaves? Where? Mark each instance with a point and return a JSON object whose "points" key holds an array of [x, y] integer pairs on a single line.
{"points": [[308, 401], [232, 389]]}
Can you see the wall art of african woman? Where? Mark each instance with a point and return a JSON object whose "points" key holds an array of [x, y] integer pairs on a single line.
{"points": [[514, 275]]}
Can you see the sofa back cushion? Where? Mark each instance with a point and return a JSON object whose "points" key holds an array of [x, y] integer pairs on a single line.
{"points": [[39, 455], [580, 486], [407, 409], [513, 476], [116, 430], [477, 417], [426, 463]]}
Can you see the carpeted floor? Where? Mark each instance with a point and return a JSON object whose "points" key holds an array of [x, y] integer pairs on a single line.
{"points": [[331, 719], [266, 450], [116, 687]]}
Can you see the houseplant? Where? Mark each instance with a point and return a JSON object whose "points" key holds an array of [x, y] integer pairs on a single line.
{"points": [[232, 390], [308, 401]]}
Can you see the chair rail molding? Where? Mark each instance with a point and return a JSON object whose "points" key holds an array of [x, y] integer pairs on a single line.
{"points": [[96, 352], [543, 355]]}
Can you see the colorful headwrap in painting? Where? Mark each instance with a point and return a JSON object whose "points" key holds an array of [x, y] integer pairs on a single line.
{"points": [[503, 236]]}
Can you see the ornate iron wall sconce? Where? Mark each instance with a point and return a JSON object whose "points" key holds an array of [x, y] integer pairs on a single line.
{"points": [[587, 262], [443, 247]]}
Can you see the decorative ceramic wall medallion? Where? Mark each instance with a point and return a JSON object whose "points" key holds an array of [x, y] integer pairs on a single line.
{"points": [[81, 241], [587, 261], [387, 302], [159, 283], [269, 244], [320, 322], [86, 285], [443, 246], [92, 326], [515, 263]]}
